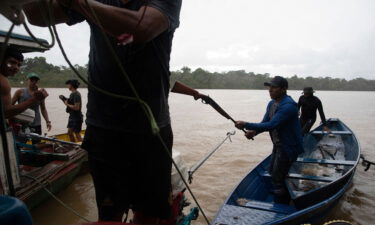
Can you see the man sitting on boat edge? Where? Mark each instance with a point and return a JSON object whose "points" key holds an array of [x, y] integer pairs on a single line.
{"points": [[281, 120]]}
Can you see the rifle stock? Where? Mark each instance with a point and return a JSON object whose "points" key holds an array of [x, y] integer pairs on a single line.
{"points": [[181, 88]]}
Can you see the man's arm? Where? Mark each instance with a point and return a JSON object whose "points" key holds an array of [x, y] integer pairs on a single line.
{"points": [[9, 109], [16, 96], [117, 21], [35, 14], [114, 20], [299, 104], [44, 112], [283, 114], [321, 112]]}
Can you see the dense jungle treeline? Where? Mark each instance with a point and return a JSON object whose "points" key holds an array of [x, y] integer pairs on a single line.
{"points": [[55, 76]]}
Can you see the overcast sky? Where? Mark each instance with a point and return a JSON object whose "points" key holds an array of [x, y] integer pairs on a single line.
{"points": [[282, 37]]}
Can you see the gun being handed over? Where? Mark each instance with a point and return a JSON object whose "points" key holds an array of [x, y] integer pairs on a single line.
{"points": [[181, 88]]}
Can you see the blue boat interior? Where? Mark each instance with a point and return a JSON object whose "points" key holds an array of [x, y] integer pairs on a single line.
{"points": [[252, 201]]}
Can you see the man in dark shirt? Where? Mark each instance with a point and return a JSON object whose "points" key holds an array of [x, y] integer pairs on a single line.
{"points": [[73, 107], [309, 104], [129, 165]]}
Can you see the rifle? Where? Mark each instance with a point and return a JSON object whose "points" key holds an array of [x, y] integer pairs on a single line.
{"points": [[181, 88]]}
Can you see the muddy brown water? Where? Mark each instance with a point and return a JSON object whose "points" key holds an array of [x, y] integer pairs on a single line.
{"points": [[198, 129]]}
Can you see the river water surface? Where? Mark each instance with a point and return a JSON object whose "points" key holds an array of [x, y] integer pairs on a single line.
{"points": [[198, 129]]}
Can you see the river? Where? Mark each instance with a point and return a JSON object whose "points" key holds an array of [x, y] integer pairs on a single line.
{"points": [[198, 129]]}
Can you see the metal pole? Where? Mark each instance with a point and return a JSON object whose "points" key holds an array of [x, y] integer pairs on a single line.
{"points": [[36, 136], [8, 170], [199, 164]]}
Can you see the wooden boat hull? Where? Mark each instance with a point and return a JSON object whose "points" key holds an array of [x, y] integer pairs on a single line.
{"points": [[50, 165], [54, 183], [252, 201]]}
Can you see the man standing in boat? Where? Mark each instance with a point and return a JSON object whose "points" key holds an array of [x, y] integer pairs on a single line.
{"points": [[10, 66], [129, 164], [24, 94], [309, 104], [281, 120]]}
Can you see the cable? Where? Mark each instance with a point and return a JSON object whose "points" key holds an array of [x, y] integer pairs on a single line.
{"points": [[57, 199], [6, 40], [47, 21]]}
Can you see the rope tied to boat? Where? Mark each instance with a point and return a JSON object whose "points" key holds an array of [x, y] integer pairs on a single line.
{"points": [[366, 163]]}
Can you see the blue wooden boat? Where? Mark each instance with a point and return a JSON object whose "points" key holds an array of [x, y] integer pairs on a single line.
{"points": [[316, 181]]}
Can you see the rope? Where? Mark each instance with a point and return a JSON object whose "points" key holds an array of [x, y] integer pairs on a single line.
{"points": [[57, 199], [50, 19], [4, 47]]}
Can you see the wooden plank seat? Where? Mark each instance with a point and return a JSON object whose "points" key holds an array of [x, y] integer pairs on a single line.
{"points": [[327, 161], [332, 132], [305, 177], [271, 207]]}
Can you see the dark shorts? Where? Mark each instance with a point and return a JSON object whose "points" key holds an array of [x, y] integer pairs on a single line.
{"points": [[130, 171], [38, 130], [75, 125]]}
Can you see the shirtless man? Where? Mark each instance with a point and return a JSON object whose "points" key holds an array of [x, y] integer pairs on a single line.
{"points": [[9, 67]]}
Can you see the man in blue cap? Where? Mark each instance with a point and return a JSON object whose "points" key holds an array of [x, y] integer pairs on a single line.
{"points": [[281, 120], [24, 94]]}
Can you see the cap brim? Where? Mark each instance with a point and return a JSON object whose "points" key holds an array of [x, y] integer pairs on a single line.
{"points": [[270, 84]]}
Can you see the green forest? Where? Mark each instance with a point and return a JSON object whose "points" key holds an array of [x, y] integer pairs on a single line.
{"points": [[55, 76]]}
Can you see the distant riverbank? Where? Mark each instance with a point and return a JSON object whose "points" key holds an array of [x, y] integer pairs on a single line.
{"points": [[55, 76]]}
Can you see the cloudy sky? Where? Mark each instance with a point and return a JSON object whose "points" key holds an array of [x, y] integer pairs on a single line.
{"points": [[282, 37]]}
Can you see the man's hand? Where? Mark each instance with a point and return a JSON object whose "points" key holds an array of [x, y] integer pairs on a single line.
{"points": [[40, 95], [250, 134], [240, 124], [49, 126], [325, 128]]}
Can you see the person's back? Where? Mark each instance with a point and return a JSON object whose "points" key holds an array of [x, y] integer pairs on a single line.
{"points": [[147, 66], [118, 137]]}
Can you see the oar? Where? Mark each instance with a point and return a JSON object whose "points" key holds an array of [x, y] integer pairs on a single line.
{"points": [[199, 164]]}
